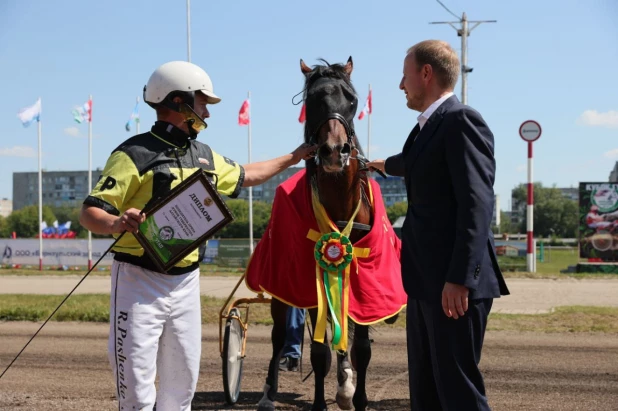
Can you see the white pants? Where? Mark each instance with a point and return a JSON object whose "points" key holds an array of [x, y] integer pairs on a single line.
{"points": [[155, 325]]}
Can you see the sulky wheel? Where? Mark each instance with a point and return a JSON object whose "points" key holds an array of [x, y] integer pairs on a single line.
{"points": [[232, 356]]}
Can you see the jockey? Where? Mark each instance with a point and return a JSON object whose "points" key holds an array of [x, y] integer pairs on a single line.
{"points": [[155, 317]]}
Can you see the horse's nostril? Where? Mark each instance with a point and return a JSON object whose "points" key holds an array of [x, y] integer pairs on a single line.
{"points": [[324, 151], [346, 149]]}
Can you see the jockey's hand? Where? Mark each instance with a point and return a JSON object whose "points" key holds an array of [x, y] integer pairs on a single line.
{"points": [[454, 300], [129, 221], [304, 152]]}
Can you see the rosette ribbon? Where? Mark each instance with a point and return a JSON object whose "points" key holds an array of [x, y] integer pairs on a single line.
{"points": [[334, 254]]}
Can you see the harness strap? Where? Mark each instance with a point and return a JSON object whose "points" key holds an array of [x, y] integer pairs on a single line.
{"points": [[355, 225]]}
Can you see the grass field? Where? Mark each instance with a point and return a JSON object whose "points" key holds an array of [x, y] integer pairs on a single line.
{"points": [[95, 308], [555, 260]]}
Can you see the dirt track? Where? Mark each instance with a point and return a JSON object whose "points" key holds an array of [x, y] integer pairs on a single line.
{"points": [[65, 368]]}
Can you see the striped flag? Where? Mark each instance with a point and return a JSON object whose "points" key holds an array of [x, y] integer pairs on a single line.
{"points": [[367, 109], [134, 116], [83, 113], [29, 115]]}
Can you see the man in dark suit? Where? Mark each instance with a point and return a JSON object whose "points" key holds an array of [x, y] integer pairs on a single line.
{"points": [[448, 261]]}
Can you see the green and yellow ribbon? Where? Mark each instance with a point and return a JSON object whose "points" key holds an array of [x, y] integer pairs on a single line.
{"points": [[334, 254]]}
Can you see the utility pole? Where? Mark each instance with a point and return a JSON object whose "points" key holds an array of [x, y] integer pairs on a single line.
{"points": [[463, 31]]}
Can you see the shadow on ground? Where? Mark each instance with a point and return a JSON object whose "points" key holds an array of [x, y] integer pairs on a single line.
{"points": [[215, 400]]}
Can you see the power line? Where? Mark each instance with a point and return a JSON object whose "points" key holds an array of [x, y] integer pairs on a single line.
{"points": [[446, 8], [463, 31]]}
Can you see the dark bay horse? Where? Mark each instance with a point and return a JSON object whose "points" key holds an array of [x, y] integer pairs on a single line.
{"points": [[338, 174]]}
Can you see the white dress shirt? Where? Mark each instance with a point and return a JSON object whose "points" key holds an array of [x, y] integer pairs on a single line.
{"points": [[424, 116]]}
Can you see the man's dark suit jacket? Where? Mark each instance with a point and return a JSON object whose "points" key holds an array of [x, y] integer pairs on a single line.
{"points": [[449, 170]]}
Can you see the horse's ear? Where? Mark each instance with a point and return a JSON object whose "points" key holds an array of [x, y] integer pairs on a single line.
{"points": [[304, 68], [348, 66]]}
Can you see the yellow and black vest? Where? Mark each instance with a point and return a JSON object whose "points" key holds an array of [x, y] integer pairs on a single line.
{"points": [[149, 165]]}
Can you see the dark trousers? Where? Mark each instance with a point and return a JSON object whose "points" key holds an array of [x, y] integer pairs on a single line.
{"points": [[443, 356]]}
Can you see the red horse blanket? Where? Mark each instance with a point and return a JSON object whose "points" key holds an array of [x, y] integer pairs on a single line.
{"points": [[284, 264]]}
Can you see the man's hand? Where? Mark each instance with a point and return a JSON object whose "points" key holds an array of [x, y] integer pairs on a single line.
{"points": [[377, 164], [454, 300], [129, 221], [303, 152]]}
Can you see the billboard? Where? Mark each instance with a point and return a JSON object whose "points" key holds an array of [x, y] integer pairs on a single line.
{"points": [[55, 252], [598, 221]]}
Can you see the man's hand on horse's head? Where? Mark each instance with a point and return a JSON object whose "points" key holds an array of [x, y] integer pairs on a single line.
{"points": [[304, 152], [376, 165]]}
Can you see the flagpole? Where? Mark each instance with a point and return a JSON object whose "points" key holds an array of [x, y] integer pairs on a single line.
{"points": [[369, 127], [250, 188], [40, 200], [90, 177], [189, 31], [136, 121]]}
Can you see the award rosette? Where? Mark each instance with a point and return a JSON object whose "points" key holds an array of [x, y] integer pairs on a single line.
{"points": [[334, 253]]}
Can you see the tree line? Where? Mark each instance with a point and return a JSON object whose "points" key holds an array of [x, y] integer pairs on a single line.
{"points": [[554, 215]]}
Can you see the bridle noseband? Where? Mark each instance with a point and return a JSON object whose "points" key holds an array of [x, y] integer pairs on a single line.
{"points": [[349, 131]]}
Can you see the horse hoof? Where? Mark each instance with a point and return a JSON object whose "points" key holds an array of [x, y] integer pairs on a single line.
{"points": [[266, 405], [344, 403], [319, 407], [346, 389], [360, 403]]}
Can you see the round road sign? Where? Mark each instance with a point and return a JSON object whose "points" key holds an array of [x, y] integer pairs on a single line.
{"points": [[530, 130]]}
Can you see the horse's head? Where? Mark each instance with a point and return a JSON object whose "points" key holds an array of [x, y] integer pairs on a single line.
{"points": [[330, 104]]}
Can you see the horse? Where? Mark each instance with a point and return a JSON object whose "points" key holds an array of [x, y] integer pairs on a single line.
{"points": [[338, 177]]}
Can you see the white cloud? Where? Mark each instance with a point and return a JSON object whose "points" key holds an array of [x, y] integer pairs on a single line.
{"points": [[597, 119], [72, 131], [611, 153], [521, 168], [18, 151]]}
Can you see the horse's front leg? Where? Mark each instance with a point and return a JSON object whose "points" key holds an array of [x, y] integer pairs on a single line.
{"points": [[345, 382], [361, 355], [278, 312], [320, 361]]}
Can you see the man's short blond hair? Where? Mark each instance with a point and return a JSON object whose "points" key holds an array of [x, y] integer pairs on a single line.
{"points": [[442, 59]]}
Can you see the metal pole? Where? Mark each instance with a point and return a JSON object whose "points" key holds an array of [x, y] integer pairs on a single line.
{"points": [[137, 119], [40, 200], [463, 31], [90, 177], [250, 188], [189, 31], [530, 214], [369, 126], [464, 59]]}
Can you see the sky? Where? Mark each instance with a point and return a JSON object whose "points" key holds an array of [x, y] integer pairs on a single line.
{"points": [[546, 60]]}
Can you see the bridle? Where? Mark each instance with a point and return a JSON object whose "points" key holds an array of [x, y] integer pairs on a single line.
{"points": [[348, 147]]}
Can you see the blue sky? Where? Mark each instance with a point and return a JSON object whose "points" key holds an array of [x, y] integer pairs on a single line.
{"points": [[551, 61]]}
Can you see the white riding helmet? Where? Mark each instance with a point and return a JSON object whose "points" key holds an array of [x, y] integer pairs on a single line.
{"points": [[178, 76]]}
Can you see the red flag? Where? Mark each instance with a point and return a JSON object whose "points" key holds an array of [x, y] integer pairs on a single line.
{"points": [[243, 114], [301, 118], [367, 109]]}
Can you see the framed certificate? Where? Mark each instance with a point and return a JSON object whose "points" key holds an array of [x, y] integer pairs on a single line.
{"points": [[180, 222]]}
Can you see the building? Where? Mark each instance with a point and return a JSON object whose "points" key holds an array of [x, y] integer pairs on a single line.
{"points": [[393, 188], [6, 207], [613, 175], [60, 188], [266, 191], [495, 217]]}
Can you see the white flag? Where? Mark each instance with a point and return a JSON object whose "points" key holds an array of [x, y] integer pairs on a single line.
{"points": [[30, 114]]}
